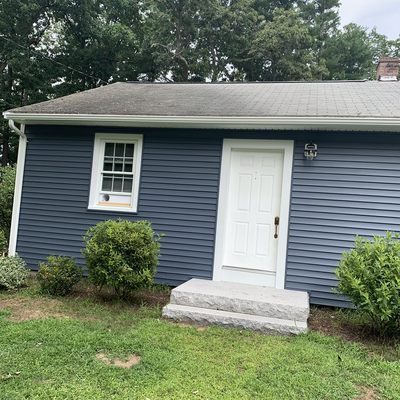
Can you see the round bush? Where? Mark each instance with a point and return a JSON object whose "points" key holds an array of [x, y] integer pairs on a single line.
{"points": [[58, 275], [121, 254], [369, 275], [13, 272]]}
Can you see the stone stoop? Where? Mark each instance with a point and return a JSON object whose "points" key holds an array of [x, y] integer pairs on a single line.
{"points": [[239, 305]]}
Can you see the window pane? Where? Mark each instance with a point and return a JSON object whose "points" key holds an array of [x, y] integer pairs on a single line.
{"points": [[107, 183], [117, 184], [129, 150], [119, 149], [108, 164], [118, 162], [128, 166], [109, 151], [127, 185]]}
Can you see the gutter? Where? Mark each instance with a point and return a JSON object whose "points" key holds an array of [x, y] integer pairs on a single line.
{"points": [[19, 177], [361, 124]]}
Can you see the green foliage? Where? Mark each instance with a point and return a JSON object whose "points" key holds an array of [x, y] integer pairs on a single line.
{"points": [[121, 254], [282, 48], [58, 275], [7, 182], [13, 272], [369, 275], [348, 54], [25, 77], [3, 243]]}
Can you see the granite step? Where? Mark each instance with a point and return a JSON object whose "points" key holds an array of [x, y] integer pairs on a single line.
{"points": [[243, 299], [208, 316]]}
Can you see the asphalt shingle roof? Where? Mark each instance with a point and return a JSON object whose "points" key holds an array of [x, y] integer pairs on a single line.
{"points": [[275, 99]]}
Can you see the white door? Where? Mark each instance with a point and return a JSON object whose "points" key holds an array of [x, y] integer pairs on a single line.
{"points": [[252, 220]]}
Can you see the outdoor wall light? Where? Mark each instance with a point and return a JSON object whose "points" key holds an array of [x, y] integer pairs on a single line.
{"points": [[310, 151]]}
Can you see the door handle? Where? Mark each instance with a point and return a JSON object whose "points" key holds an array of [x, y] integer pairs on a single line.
{"points": [[276, 227]]}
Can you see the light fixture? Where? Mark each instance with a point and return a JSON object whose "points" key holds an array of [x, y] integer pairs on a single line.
{"points": [[310, 151]]}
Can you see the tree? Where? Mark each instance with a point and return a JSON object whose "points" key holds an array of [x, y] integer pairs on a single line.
{"points": [[244, 23], [282, 48], [349, 55], [172, 29], [322, 18], [24, 75], [99, 43]]}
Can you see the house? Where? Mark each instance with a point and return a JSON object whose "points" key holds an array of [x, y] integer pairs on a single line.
{"points": [[255, 183]]}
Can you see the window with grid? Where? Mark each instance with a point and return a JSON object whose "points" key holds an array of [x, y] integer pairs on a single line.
{"points": [[115, 172], [118, 174]]}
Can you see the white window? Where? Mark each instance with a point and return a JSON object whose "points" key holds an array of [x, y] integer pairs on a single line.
{"points": [[116, 172]]}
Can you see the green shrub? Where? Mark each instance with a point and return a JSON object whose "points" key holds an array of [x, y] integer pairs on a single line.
{"points": [[58, 275], [370, 276], [121, 254], [7, 182], [3, 243], [13, 272]]}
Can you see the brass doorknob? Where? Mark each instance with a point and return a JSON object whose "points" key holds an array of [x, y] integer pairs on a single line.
{"points": [[276, 227]]}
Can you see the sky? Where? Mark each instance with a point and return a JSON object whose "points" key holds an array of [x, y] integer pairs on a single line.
{"points": [[384, 14]]}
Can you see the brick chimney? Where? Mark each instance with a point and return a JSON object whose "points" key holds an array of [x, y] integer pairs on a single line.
{"points": [[388, 69]]}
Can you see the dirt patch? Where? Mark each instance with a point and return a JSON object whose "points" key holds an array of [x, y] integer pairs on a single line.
{"points": [[199, 328], [332, 322], [131, 361], [84, 290], [367, 393], [27, 309]]}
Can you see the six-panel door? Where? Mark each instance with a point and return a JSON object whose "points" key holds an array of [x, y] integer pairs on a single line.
{"points": [[254, 200]]}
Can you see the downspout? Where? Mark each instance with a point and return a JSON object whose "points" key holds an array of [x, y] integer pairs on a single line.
{"points": [[19, 177], [19, 132]]}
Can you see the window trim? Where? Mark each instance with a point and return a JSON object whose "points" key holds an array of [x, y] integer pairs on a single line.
{"points": [[97, 163]]}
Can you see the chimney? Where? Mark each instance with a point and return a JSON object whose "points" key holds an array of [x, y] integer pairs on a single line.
{"points": [[388, 69]]}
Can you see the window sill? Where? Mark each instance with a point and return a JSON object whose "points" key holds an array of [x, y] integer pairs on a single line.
{"points": [[113, 209]]}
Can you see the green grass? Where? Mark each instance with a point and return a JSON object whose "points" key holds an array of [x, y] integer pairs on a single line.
{"points": [[55, 358]]}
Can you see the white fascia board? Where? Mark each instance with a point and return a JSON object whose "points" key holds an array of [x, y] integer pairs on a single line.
{"points": [[363, 124]]}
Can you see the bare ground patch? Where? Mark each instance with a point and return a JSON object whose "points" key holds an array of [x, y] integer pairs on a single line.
{"points": [[332, 322], [131, 361], [199, 327], [106, 296], [367, 393], [27, 309]]}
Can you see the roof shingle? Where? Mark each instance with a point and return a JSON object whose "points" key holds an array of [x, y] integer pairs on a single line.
{"points": [[275, 99]]}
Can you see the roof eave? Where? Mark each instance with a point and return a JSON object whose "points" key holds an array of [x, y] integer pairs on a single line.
{"points": [[362, 124]]}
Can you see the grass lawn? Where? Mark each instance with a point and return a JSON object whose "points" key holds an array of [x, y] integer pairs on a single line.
{"points": [[55, 349]]}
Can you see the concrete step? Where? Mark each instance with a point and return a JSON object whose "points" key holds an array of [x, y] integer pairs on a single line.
{"points": [[243, 299], [232, 319]]}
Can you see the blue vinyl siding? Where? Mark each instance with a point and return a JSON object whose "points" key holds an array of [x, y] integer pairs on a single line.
{"points": [[352, 188], [178, 194]]}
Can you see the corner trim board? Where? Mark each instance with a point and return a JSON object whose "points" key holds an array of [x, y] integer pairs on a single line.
{"points": [[19, 177]]}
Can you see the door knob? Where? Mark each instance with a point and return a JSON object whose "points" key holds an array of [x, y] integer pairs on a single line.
{"points": [[276, 227]]}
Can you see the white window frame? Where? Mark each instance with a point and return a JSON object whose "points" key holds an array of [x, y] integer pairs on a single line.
{"points": [[97, 166]]}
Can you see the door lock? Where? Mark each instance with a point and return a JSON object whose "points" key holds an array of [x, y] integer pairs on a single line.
{"points": [[276, 227]]}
